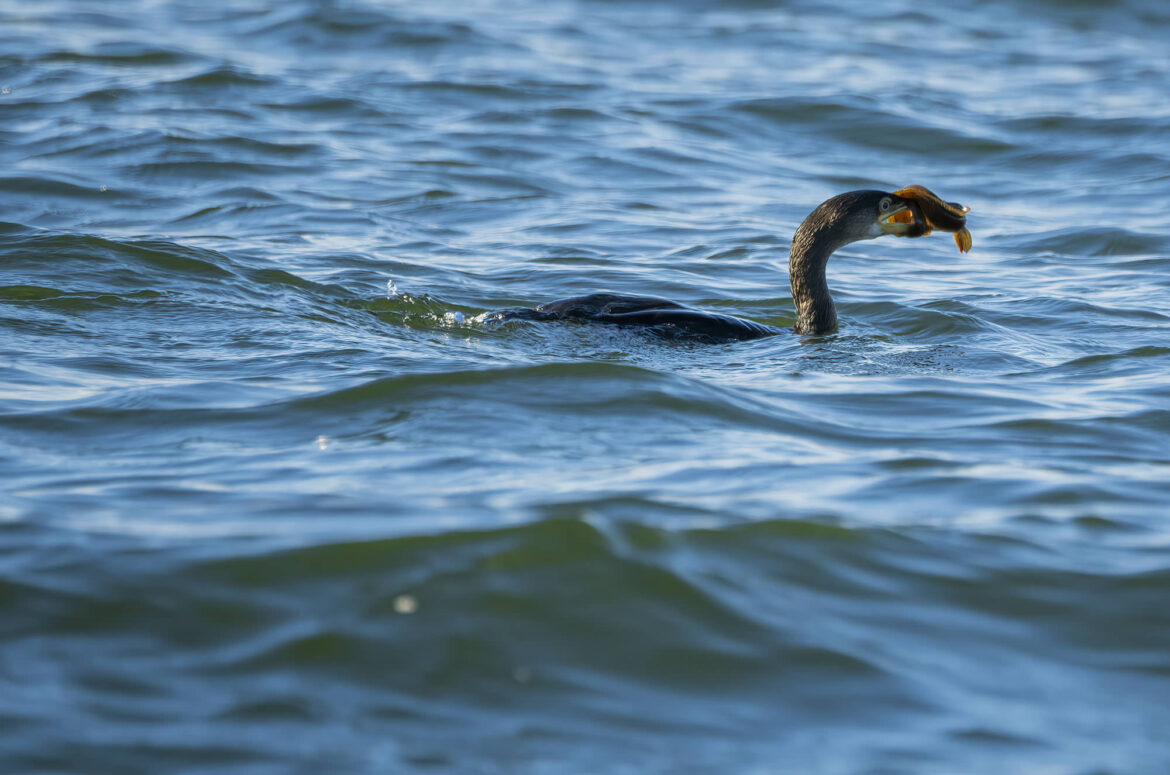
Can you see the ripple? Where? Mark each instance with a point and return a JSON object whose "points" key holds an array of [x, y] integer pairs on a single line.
{"points": [[49, 187], [209, 170], [156, 254], [224, 77], [123, 55], [864, 123], [1097, 241]]}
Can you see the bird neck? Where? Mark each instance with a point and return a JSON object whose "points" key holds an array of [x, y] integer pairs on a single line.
{"points": [[814, 241]]}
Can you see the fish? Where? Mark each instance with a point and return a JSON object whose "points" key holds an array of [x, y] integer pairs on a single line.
{"points": [[939, 215]]}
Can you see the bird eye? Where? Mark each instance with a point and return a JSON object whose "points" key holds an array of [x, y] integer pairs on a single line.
{"points": [[884, 205]]}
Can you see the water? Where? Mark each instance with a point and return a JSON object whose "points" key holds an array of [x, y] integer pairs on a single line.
{"points": [[275, 500]]}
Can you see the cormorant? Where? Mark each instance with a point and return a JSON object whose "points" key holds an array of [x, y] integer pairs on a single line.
{"points": [[913, 211]]}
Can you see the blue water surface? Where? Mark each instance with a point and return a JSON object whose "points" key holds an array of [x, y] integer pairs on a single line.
{"points": [[276, 496]]}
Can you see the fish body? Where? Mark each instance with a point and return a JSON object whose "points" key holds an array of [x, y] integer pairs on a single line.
{"points": [[938, 214]]}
